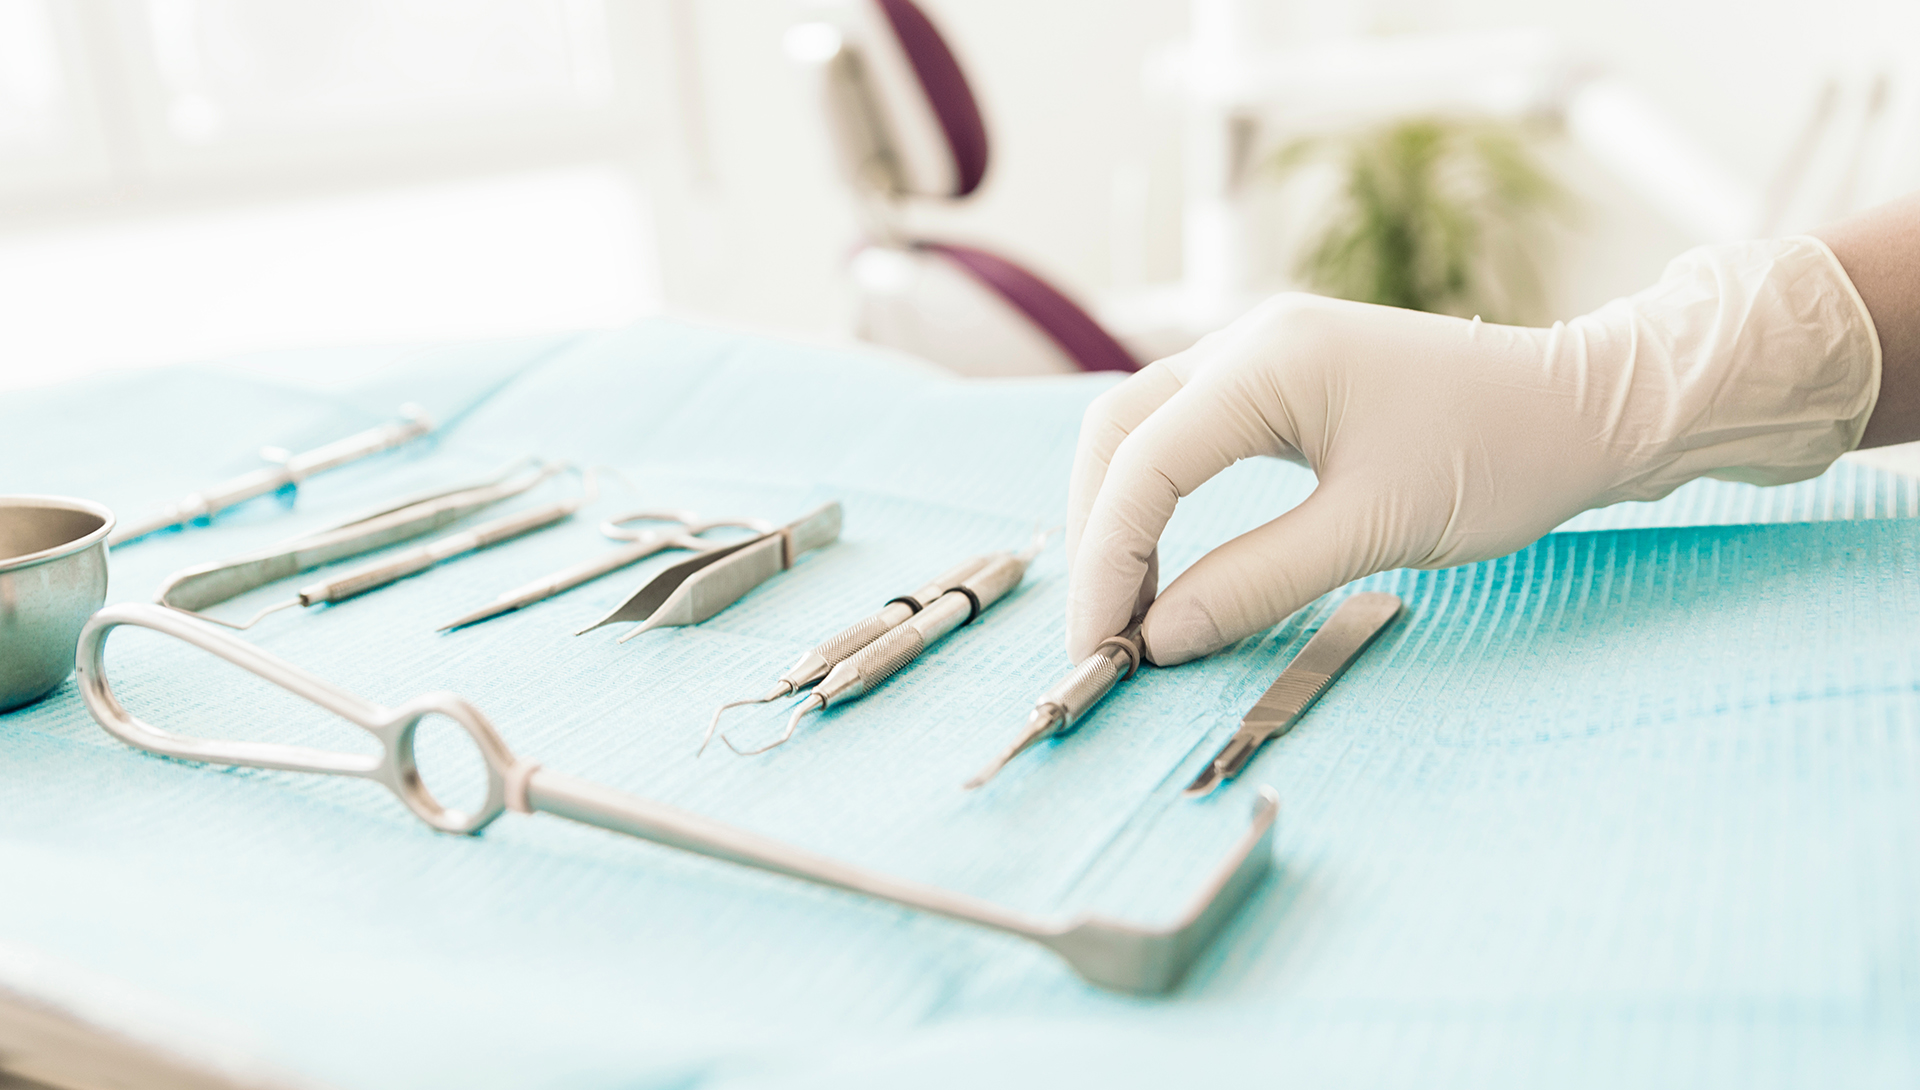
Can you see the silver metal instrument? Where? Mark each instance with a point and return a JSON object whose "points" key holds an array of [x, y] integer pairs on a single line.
{"points": [[682, 530], [823, 657], [866, 669], [197, 588], [700, 586], [1060, 708], [288, 472], [1311, 673], [1108, 953]]}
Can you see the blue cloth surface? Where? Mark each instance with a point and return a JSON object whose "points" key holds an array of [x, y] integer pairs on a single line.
{"points": [[1639, 805]]}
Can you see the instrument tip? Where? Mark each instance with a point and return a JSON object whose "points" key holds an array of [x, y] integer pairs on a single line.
{"points": [[1203, 784], [779, 691], [647, 625], [981, 777], [1042, 723], [478, 615], [793, 724]]}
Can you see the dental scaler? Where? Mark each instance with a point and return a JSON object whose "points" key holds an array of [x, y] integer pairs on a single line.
{"points": [[866, 669], [1061, 708], [843, 645]]}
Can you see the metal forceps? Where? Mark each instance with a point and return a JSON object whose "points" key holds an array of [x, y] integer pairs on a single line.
{"points": [[1109, 953], [681, 530], [191, 590]]}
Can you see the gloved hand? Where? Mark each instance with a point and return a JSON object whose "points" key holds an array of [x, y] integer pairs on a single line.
{"points": [[1439, 441]]}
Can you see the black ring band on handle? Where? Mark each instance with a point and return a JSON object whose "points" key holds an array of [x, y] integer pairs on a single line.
{"points": [[973, 603]]}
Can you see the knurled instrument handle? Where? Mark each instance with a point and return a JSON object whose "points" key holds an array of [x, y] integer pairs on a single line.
{"points": [[886, 657], [854, 638]]}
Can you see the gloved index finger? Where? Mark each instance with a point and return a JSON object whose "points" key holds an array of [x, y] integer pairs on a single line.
{"points": [[1106, 424], [1205, 426]]}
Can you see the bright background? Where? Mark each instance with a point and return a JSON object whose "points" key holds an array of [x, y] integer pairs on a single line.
{"points": [[189, 178]]}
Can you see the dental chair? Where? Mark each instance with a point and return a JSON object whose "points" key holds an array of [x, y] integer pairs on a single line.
{"points": [[905, 127]]}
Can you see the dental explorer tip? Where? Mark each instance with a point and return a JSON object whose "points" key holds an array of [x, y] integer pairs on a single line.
{"points": [[780, 690], [793, 724], [1039, 725], [486, 614]]}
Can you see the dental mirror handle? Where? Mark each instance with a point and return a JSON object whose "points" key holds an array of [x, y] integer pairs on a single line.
{"points": [[211, 501], [413, 561]]}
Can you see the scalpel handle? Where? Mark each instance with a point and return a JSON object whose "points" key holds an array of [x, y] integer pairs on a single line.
{"points": [[1311, 673]]}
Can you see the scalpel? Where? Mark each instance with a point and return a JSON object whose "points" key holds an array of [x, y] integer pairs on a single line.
{"points": [[1318, 665]]}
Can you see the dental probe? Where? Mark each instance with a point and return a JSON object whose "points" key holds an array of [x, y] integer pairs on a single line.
{"points": [[288, 472], [888, 655], [1060, 708], [841, 646], [1311, 673], [380, 573]]}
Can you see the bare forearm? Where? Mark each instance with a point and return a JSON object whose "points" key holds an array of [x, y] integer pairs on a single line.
{"points": [[1880, 249]]}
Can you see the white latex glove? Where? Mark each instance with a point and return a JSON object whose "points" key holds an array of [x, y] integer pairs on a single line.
{"points": [[1439, 441]]}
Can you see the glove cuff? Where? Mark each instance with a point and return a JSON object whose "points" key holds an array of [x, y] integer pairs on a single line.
{"points": [[1762, 358]]}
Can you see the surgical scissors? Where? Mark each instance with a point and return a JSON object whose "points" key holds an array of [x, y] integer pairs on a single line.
{"points": [[680, 530], [1108, 953]]}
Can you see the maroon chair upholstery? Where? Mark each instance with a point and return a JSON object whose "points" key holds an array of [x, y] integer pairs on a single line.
{"points": [[1090, 347]]}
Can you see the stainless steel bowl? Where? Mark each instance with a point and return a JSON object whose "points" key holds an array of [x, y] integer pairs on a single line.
{"points": [[53, 576]]}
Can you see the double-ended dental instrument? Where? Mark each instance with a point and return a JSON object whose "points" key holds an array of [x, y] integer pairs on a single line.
{"points": [[1311, 673], [1061, 708], [702, 585], [1108, 953], [671, 530], [194, 589], [286, 472], [865, 670], [823, 657]]}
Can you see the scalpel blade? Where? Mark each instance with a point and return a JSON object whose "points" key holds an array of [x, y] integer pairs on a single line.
{"points": [[1314, 670]]}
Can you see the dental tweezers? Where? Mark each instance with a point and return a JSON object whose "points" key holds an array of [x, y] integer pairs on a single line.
{"points": [[1108, 953], [704, 584]]}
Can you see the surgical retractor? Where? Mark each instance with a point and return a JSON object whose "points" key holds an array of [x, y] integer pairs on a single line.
{"points": [[1060, 708], [823, 657], [865, 670]]}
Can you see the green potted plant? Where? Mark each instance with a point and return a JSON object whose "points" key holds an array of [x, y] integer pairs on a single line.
{"points": [[1432, 214]]}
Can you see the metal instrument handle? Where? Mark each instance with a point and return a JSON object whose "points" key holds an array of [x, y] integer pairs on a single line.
{"points": [[1087, 685], [207, 585], [394, 767], [818, 527], [210, 501]]}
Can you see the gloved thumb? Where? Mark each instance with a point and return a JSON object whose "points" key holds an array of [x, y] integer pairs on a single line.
{"points": [[1261, 577]]}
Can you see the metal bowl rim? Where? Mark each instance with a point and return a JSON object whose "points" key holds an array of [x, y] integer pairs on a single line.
{"points": [[69, 548]]}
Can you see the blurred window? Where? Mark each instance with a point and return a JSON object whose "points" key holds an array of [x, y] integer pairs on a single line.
{"points": [[33, 101], [230, 68]]}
